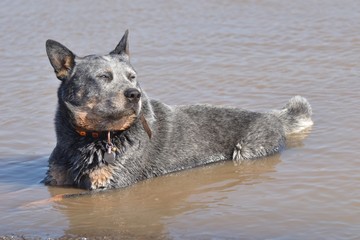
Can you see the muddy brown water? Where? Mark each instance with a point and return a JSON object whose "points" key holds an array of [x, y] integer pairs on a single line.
{"points": [[250, 54]]}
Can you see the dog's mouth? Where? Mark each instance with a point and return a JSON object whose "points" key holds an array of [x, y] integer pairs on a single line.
{"points": [[90, 120]]}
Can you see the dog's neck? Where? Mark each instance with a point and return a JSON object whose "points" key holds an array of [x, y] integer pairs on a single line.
{"points": [[104, 134], [95, 134]]}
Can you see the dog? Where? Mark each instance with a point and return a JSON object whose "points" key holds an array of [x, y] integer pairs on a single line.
{"points": [[111, 135]]}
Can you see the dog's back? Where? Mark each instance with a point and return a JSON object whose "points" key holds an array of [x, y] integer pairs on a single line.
{"points": [[199, 134]]}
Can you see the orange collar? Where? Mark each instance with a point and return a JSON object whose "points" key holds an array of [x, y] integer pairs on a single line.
{"points": [[93, 134]]}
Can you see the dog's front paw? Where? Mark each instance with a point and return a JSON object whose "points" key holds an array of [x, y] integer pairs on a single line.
{"points": [[100, 178]]}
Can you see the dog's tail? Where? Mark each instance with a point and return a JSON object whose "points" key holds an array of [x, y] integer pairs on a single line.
{"points": [[296, 115]]}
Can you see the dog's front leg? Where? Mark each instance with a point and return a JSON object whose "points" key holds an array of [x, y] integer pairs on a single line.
{"points": [[58, 176], [100, 178]]}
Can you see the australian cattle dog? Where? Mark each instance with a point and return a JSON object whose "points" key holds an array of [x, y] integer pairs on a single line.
{"points": [[111, 135]]}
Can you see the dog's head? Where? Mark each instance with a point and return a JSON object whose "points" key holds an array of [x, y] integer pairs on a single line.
{"points": [[100, 92]]}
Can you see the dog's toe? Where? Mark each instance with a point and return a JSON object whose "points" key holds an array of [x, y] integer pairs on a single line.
{"points": [[237, 154]]}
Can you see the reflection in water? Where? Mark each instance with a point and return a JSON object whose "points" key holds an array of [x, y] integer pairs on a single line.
{"points": [[297, 139], [141, 211]]}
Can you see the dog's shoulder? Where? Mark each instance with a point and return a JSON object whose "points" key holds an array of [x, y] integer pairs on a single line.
{"points": [[161, 108]]}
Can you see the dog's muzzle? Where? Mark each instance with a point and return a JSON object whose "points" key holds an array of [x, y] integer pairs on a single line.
{"points": [[133, 95]]}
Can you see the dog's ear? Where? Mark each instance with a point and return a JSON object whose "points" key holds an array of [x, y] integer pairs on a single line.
{"points": [[61, 58], [123, 46]]}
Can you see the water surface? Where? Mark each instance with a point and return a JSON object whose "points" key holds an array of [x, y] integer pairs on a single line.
{"points": [[250, 54]]}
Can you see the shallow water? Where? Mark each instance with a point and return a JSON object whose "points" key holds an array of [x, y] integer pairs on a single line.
{"points": [[251, 54]]}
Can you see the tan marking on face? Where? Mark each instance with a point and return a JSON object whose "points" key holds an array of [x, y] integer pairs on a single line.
{"points": [[81, 120], [100, 177], [123, 123], [88, 121], [91, 103]]}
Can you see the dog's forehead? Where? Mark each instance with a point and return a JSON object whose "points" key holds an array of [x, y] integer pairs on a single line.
{"points": [[101, 62]]}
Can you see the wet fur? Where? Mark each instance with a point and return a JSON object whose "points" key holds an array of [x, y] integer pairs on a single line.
{"points": [[182, 137]]}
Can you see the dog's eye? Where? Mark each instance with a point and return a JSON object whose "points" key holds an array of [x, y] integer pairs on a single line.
{"points": [[131, 77], [105, 76]]}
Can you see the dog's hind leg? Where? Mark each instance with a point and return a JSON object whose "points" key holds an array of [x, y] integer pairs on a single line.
{"points": [[237, 156], [258, 144], [243, 152]]}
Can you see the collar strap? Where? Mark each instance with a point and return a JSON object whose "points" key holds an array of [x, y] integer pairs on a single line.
{"points": [[146, 126], [94, 134]]}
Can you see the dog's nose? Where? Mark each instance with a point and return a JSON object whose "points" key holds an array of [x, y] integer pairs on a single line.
{"points": [[133, 95]]}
